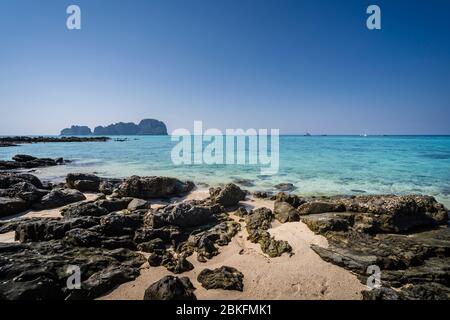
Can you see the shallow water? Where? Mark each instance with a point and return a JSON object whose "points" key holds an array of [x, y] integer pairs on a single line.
{"points": [[324, 165]]}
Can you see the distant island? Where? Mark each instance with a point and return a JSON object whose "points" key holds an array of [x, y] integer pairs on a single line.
{"points": [[145, 127]]}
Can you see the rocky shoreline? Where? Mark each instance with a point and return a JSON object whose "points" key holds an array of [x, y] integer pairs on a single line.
{"points": [[146, 221], [17, 141]]}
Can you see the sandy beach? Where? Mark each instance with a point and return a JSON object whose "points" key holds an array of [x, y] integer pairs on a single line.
{"points": [[304, 275]]}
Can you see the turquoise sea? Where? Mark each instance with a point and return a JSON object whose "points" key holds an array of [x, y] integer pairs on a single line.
{"points": [[316, 165]]}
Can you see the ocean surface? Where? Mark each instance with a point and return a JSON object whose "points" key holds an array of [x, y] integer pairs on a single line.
{"points": [[316, 165]]}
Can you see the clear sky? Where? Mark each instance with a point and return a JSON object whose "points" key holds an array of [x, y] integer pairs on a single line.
{"points": [[294, 65]]}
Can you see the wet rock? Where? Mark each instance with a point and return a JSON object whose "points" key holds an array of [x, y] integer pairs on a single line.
{"points": [[28, 162], [184, 214], [284, 212], [244, 182], [154, 187], [83, 209], [11, 206], [228, 196], [25, 139], [285, 187], [171, 288], [316, 207], [39, 271], [226, 278], [58, 198], [83, 182]]}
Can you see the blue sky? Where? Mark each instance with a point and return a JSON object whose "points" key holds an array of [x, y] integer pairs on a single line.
{"points": [[293, 65]]}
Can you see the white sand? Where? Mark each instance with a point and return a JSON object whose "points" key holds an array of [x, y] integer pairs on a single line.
{"points": [[303, 276]]}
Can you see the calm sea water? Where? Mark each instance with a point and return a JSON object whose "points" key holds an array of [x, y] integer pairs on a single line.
{"points": [[325, 165]]}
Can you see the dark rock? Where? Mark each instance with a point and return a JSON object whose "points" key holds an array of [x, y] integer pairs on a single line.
{"points": [[284, 212], [83, 182], [11, 206], [228, 196], [25, 191], [27, 162], [117, 223], [152, 245], [114, 204], [176, 263], [44, 229], [244, 182], [171, 288], [324, 222], [421, 291], [166, 233], [86, 186], [153, 187], [83, 209], [226, 278], [416, 265], [261, 194], [39, 270], [58, 198], [257, 224], [106, 187], [316, 207], [183, 214], [138, 204], [204, 242], [24, 139], [241, 212], [23, 158], [292, 199], [8, 180], [83, 238], [395, 213]]}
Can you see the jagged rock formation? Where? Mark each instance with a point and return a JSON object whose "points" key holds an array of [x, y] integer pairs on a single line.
{"points": [[76, 131], [145, 127]]}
